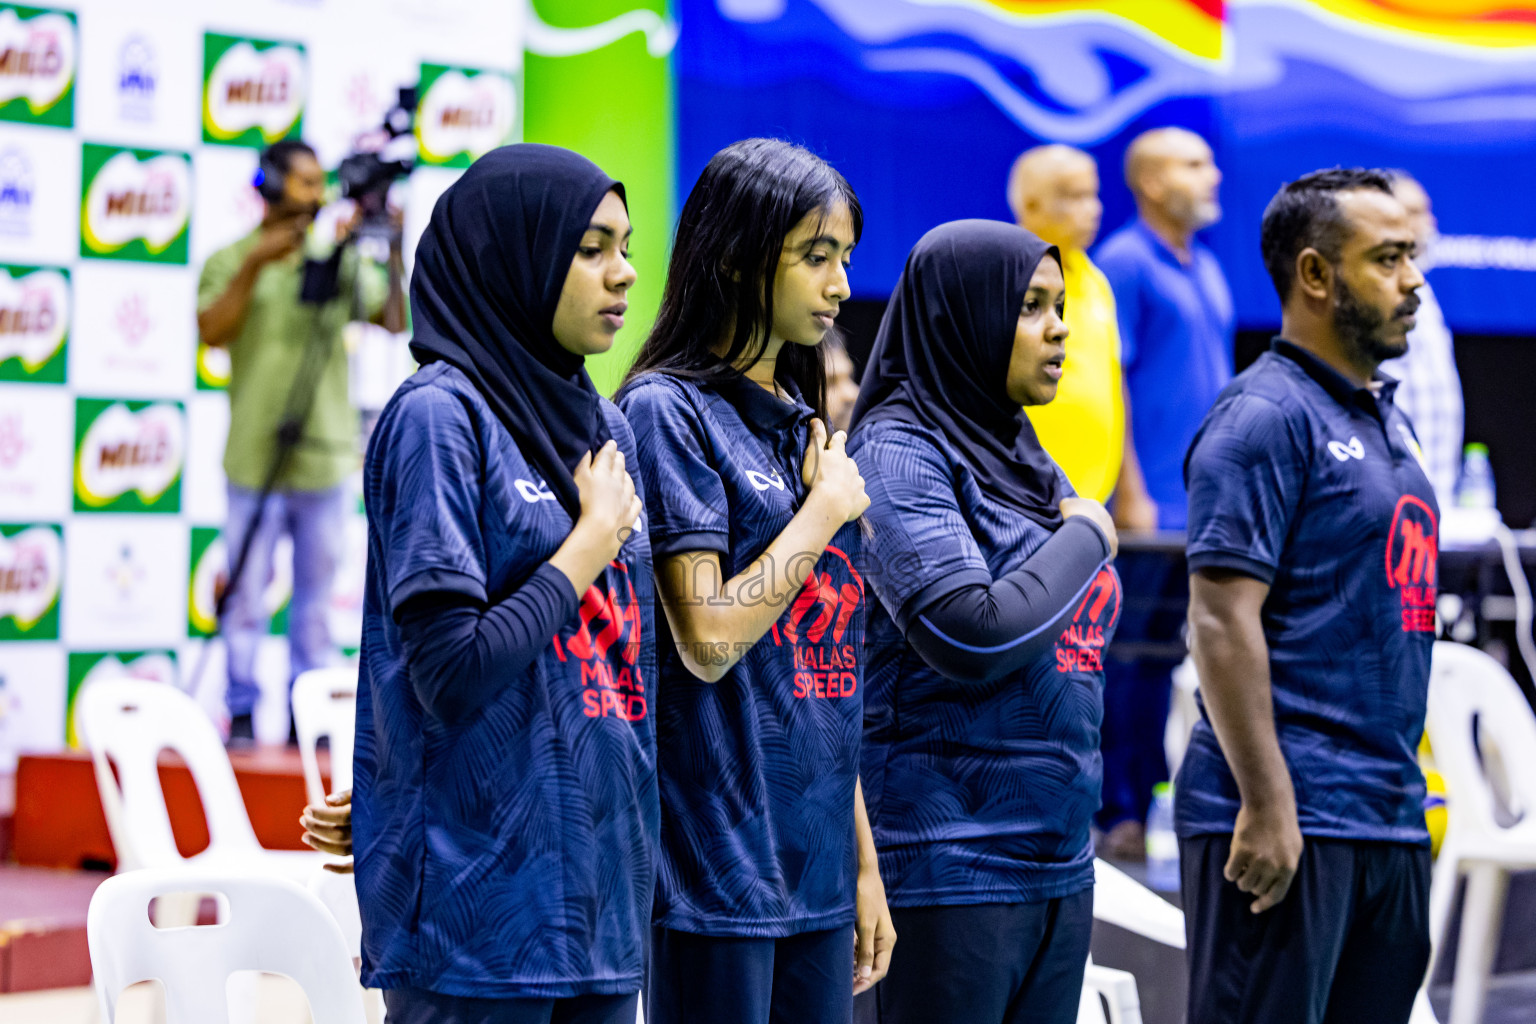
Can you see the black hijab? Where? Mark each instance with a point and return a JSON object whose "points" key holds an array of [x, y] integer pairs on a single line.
{"points": [[941, 358], [489, 270]]}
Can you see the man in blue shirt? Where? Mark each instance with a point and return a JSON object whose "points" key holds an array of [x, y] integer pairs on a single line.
{"points": [[1176, 331], [1175, 312], [1312, 549]]}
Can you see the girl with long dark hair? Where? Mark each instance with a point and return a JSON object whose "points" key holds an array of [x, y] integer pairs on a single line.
{"points": [[752, 508], [505, 807], [995, 604]]}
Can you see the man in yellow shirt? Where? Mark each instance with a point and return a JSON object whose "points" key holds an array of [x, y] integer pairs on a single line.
{"points": [[1054, 192]]}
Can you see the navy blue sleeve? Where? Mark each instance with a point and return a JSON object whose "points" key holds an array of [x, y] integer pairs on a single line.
{"points": [[684, 496], [918, 546], [1246, 471], [425, 506], [985, 632], [461, 654]]}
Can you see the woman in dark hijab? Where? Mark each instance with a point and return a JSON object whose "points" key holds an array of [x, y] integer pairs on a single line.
{"points": [[980, 761], [505, 809]]}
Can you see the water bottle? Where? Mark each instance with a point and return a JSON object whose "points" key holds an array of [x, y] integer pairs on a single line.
{"points": [[1475, 488], [1162, 843]]}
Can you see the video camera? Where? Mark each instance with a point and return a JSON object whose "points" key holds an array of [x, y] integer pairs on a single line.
{"points": [[381, 157]]}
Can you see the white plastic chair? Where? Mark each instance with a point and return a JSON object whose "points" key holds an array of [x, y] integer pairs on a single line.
{"points": [[127, 722], [325, 704], [1183, 713], [1120, 900], [273, 925], [1467, 690], [338, 893], [1107, 987]]}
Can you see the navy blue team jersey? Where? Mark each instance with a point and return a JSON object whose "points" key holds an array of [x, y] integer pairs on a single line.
{"points": [[1304, 481], [758, 769], [509, 855], [976, 793]]}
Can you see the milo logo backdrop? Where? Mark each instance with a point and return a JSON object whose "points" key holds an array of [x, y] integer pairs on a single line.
{"points": [[212, 367], [34, 323], [128, 455], [463, 114], [208, 563], [31, 571], [209, 572], [37, 66], [253, 90], [135, 204]]}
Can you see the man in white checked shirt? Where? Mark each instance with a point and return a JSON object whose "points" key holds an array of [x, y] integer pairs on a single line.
{"points": [[1430, 388]]}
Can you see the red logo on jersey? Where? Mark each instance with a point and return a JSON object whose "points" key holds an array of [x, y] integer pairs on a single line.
{"points": [[1080, 648], [608, 623], [1413, 556], [815, 626]]}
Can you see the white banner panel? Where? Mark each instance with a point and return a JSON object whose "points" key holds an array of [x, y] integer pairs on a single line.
{"points": [[125, 578], [142, 70], [36, 452], [39, 195], [136, 337], [31, 700], [205, 499]]}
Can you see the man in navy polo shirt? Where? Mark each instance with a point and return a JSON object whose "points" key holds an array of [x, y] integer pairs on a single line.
{"points": [[1312, 551]]}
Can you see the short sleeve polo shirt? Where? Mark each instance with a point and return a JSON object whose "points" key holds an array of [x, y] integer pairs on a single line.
{"points": [[1313, 485], [268, 353], [509, 855], [1176, 334], [757, 769], [976, 793]]}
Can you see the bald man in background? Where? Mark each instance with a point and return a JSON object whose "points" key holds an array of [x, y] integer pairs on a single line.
{"points": [[1175, 312], [1176, 335], [1054, 192]]}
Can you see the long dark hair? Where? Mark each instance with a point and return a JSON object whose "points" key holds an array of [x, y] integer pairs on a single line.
{"points": [[729, 240]]}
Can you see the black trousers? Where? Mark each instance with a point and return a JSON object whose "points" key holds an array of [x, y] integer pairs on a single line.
{"points": [[418, 1006], [1348, 944], [1000, 963], [705, 979]]}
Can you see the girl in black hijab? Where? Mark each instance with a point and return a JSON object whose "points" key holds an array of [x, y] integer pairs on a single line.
{"points": [[505, 809], [980, 761]]}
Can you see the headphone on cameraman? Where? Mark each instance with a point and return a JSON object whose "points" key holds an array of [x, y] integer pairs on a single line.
{"points": [[270, 178]]}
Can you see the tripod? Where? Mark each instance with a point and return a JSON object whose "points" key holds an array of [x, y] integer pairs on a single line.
{"points": [[320, 286]]}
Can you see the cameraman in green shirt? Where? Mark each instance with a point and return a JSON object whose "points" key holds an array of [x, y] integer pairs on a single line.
{"points": [[248, 301]]}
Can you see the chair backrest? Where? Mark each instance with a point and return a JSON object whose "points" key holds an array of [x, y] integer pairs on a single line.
{"points": [[325, 704], [338, 893], [1469, 690], [273, 925], [1120, 900], [127, 722], [1183, 713]]}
